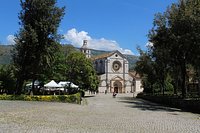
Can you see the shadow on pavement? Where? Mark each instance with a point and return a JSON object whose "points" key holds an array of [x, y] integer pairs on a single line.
{"points": [[88, 96], [146, 105]]}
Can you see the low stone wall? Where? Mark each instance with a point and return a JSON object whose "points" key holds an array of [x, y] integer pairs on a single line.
{"points": [[184, 104]]}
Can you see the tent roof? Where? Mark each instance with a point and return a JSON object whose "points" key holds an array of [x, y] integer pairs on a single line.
{"points": [[52, 83], [63, 83]]}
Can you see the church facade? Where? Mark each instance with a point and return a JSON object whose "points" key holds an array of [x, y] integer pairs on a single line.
{"points": [[113, 71]]}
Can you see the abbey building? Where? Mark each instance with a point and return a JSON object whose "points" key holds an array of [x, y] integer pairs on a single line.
{"points": [[113, 71]]}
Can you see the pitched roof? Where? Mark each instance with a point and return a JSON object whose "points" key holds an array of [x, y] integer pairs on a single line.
{"points": [[102, 56], [107, 55]]}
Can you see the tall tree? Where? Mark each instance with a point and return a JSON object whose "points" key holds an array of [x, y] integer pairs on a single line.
{"points": [[160, 50], [37, 40], [145, 67], [180, 41]]}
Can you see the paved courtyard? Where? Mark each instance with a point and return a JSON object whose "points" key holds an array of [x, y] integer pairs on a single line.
{"points": [[99, 114]]}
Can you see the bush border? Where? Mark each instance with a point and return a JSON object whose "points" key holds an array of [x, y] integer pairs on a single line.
{"points": [[74, 98], [191, 105]]}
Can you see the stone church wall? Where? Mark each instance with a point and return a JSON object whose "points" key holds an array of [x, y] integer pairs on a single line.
{"points": [[138, 86]]}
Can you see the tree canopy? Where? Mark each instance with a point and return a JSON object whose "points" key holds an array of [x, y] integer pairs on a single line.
{"points": [[37, 39], [58, 67], [7, 79], [176, 42], [80, 71]]}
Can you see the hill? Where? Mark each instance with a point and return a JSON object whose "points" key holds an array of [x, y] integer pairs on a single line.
{"points": [[5, 55]]}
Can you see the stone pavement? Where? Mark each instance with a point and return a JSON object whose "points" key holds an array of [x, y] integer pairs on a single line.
{"points": [[98, 114]]}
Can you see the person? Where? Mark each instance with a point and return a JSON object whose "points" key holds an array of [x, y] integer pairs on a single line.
{"points": [[114, 94], [105, 91]]}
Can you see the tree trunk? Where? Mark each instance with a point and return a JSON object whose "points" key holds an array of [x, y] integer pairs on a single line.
{"points": [[33, 87], [183, 84], [198, 71], [176, 84], [19, 86], [163, 85], [199, 87], [163, 89]]}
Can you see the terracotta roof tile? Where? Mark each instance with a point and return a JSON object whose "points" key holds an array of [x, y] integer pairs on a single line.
{"points": [[102, 56]]}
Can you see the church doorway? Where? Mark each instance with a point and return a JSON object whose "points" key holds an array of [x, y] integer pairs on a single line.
{"points": [[117, 87]]}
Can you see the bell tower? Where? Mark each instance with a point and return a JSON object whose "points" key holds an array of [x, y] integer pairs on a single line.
{"points": [[85, 49]]}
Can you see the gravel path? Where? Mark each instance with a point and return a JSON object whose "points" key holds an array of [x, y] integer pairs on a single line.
{"points": [[99, 114]]}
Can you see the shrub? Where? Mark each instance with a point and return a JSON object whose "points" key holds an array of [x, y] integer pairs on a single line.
{"points": [[27, 98], [75, 98], [192, 105], [82, 92], [62, 98], [169, 87], [7, 79], [18, 97], [156, 87]]}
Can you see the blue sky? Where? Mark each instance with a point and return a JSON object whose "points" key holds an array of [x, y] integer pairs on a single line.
{"points": [[106, 24]]}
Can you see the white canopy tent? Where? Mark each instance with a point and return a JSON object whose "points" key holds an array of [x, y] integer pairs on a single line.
{"points": [[66, 83], [52, 85]]}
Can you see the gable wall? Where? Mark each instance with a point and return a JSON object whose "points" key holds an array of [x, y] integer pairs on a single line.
{"points": [[109, 75]]}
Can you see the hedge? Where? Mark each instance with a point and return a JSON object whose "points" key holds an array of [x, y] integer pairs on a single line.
{"points": [[75, 98], [192, 105]]}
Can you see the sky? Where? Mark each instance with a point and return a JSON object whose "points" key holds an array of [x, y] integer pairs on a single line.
{"points": [[107, 24]]}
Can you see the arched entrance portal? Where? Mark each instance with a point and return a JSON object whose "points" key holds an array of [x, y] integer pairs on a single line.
{"points": [[117, 87]]}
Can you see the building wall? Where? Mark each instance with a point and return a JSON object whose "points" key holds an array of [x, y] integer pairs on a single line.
{"points": [[113, 72], [99, 66], [110, 76], [138, 85]]}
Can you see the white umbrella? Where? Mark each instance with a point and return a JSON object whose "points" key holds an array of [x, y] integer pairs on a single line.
{"points": [[74, 86]]}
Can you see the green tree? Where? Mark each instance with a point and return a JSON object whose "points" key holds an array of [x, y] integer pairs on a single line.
{"points": [[80, 71], [37, 40], [58, 67], [192, 14], [175, 36], [7, 78], [145, 67], [159, 36]]}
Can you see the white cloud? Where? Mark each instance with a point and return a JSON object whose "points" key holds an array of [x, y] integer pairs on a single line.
{"points": [[76, 38], [10, 39]]}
